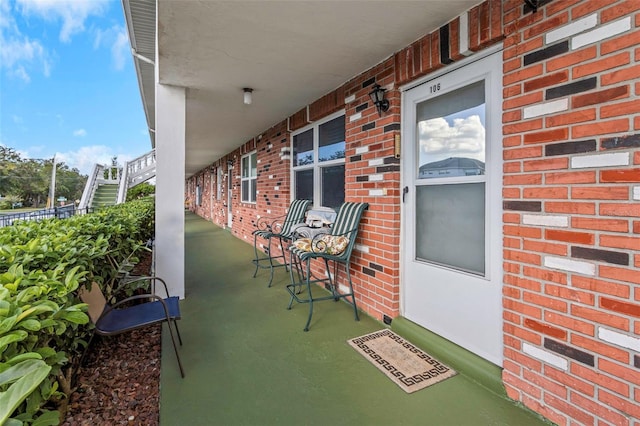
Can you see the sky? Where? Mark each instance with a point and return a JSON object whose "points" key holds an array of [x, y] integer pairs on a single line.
{"points": [[68, 85], [461, 134]]}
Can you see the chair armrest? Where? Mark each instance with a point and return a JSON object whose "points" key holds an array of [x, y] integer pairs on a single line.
{"points": [[271, 224], [126, 283]]}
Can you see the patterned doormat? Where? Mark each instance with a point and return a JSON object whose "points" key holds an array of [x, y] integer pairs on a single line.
{"points": [[409, 367]]}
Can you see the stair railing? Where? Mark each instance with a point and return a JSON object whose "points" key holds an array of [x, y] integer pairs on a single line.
{"points": [[90, 186], [141, 169]]}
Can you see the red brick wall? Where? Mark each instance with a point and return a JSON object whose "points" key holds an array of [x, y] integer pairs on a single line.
{"points": [[571, 194], [571, 182]]}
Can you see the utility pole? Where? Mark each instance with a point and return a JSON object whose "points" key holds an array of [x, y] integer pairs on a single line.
{"points": [[51, 202]]}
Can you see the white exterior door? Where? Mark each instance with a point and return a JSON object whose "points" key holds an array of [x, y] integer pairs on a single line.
{"points": [[452, 209]]}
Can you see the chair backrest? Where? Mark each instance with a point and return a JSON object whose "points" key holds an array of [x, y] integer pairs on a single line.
{"points": [[295, 215], [347, 224], [95, 299]]}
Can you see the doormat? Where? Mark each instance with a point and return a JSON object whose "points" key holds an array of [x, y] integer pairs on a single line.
{"points": [[409, 367]]}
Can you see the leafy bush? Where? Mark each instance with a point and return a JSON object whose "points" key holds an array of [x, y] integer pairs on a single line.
{"points": [[43, 326], [142, 190]]}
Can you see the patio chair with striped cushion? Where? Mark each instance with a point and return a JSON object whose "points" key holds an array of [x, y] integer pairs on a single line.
{"points": [[335, 247], [280, 228]]}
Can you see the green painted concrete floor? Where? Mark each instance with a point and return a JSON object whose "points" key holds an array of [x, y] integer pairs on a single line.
{"points": [[248, 362]]}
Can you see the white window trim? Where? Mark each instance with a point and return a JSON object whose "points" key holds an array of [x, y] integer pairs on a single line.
{"points": [[316, 165], [248, 178]]}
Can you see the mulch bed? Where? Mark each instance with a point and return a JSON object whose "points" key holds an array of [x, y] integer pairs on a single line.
{"points": [[119, 382]]}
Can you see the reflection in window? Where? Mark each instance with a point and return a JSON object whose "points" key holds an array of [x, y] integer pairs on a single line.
{"points": [[318, 162], [331, 140], [303, 148], [451, 130]]}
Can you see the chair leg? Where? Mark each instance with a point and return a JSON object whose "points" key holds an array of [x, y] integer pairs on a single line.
{"points": [[257, 259], [270, 265], [175, 323], [175, 347], [306, 327], [353, 296]]}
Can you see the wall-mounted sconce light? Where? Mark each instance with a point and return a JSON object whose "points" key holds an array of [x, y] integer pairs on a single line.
{"points": [[230, 163], [377, 97], [247, 95], [533, 4]]}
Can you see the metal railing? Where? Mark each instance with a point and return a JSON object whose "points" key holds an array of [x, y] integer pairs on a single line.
{"points": [[63, 212]]}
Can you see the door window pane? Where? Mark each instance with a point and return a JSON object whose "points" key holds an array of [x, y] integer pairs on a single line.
{"points": [[303, 148], [304, 185], [333, 186], [451, 133], [331, 140], [450, 225]]}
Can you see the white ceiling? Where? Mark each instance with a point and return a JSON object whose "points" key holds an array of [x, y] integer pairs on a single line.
{"points": [[290, 52]]}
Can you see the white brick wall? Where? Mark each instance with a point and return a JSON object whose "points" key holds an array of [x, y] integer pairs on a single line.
{"points": [[619, 339], [545, 356], [570, 265], [540, 220], [601, 33], [600, 160], [572, 29]]}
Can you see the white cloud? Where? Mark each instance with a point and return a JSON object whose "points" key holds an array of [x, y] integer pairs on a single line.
{"points": [[80, 133], [84, 158], [72, 13], [21, 56], [117, 40], [19, 53], [439, 140]]}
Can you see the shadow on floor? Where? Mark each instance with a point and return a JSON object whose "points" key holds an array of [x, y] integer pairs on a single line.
{"points": [[248, 362]]}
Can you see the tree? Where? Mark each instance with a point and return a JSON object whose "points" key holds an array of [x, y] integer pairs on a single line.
{"points": [[29, 180], [9, 158]]}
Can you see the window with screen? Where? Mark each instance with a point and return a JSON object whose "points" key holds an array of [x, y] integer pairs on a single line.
{"points": [[249, 177], [318, 162]]}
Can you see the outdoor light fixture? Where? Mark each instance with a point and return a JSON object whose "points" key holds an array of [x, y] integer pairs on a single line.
{"points": [[377, 97], [247, 95]]}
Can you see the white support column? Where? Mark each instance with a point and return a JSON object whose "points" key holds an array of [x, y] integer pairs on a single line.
{"points": [[170, 160]]}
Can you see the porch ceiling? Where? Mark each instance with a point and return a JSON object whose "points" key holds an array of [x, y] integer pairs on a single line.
{"points": [[289, 52]]}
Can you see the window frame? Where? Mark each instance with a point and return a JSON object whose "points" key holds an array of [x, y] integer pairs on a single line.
{"points": [[316, 165], [253, 180]]}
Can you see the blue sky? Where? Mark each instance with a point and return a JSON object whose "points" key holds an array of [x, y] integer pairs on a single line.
{"points": [[67, 82]]}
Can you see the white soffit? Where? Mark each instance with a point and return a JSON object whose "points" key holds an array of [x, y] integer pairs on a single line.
{"points": [[290, 52]]}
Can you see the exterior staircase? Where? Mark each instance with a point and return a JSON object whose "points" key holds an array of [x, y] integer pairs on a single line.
{"points": [[105, 195], [108, 185]]}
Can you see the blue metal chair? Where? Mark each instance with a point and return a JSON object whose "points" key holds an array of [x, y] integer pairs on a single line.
{"points": [[280, 228], [123, 316], [321, 246]]}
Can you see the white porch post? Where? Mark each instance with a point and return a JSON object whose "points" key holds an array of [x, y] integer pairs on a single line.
{"points": [[170, 158]]}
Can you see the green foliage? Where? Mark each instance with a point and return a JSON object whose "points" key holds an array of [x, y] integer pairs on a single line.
{"points": [[43, 325], [142, 190], [28, 180]]}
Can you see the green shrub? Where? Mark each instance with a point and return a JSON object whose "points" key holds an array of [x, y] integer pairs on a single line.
{"points": [[43, 325]]}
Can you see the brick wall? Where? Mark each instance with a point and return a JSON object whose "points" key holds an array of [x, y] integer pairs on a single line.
{"points": [[571, 192]]}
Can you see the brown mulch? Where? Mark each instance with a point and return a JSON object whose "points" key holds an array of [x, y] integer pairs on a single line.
{"points": [[119, 382]]}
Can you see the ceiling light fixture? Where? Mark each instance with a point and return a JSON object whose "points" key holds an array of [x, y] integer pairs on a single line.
{"points": [[247, 95]]}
